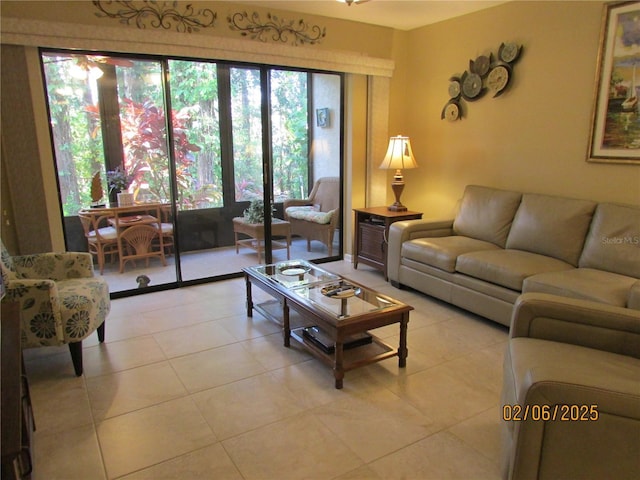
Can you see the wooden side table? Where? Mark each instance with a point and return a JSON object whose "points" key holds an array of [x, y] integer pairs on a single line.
{"points": [[255, 232], [371, 233]]}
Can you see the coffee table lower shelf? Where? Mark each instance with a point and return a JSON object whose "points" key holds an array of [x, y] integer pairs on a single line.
{"points": [[352, 358]]}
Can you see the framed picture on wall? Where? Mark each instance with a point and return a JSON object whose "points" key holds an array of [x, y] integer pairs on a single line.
{"points": [[615, 126], [322, 117]]}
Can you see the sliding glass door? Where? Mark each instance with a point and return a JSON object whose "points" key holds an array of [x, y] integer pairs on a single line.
{"points": [[108, 127], [214, 146]]}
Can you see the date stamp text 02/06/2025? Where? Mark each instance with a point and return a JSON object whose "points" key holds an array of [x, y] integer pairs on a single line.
{"points": [[560, 412]]}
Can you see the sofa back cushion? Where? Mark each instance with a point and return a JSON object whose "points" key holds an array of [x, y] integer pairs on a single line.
{"points": [[613, 242], [486, 214], [552, 226]]}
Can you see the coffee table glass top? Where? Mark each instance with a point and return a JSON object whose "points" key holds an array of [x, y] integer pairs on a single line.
{"points": [[342, 299], [294, 273]]}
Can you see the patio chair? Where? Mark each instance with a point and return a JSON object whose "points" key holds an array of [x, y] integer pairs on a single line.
{"points": [[102, 239], [316, 217], [140, 242], [166, 227], [61, 301]]}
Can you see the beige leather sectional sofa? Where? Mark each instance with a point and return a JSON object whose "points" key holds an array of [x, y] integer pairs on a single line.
{"points": [[571, 391], [503, 243]]}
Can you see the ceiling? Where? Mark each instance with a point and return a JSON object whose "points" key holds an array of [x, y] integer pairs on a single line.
{"points": [[398, 14]]}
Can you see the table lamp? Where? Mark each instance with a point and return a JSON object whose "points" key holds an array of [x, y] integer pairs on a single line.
{"points": [[399, 155]]}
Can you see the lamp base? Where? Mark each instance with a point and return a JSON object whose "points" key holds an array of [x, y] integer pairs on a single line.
{"points": [[397, 186], [397, 207]]}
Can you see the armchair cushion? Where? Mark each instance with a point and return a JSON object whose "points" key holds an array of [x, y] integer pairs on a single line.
{"points": [[310, 214]]}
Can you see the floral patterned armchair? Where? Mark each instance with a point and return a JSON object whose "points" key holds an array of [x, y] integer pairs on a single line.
{"points": [[61, 302]]}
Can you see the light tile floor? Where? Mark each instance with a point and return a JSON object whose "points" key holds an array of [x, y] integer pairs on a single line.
{"points": [[186, 386]]}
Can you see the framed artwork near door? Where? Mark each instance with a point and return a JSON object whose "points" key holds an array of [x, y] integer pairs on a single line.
{"points": [[322, 117], [615, 126]]}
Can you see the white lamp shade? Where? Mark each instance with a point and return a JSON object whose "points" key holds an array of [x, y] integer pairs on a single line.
{"points": [[399, 154]]}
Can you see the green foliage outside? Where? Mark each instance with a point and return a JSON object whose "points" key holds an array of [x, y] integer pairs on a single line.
{"points": [[78, 133], [255, 212], [78, 151]]}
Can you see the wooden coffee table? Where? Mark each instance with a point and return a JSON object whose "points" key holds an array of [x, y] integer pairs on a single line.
{"points": [[303, 303], [255, 232]]}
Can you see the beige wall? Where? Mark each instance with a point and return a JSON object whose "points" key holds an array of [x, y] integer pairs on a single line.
{"points": [[325, 149], [355, 153], [25, 215], [532, 138]]}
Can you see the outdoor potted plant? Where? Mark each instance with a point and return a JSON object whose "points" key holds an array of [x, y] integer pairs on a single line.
{"points": [[255, 212], [119, 183]]}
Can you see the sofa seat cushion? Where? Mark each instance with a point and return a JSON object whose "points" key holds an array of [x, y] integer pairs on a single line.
{"points": [[507, 267], [552, 226], [310, 214], [583, 283], [442, 252]]}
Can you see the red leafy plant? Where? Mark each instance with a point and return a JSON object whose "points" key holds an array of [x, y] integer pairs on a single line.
{"points": [[145, 146]]}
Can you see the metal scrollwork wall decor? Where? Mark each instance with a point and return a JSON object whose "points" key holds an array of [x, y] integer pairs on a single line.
{"points": [[485, 74], [163, 15], [281, 30]]}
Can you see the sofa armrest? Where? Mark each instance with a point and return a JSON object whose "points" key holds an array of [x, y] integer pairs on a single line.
{"points": [[578, 322], [400, 232], [633, 300], [54, 266]]}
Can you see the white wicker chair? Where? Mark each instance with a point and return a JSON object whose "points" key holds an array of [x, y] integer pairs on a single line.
{"points": [[316, 217]]}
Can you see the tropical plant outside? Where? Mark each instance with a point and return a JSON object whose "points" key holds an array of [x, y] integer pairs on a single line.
{"points": [[75, 98]]}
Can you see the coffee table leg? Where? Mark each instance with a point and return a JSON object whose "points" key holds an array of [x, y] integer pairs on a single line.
{"points": [[249, 299], [286, 327], [338, 371], [402, 349]]}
